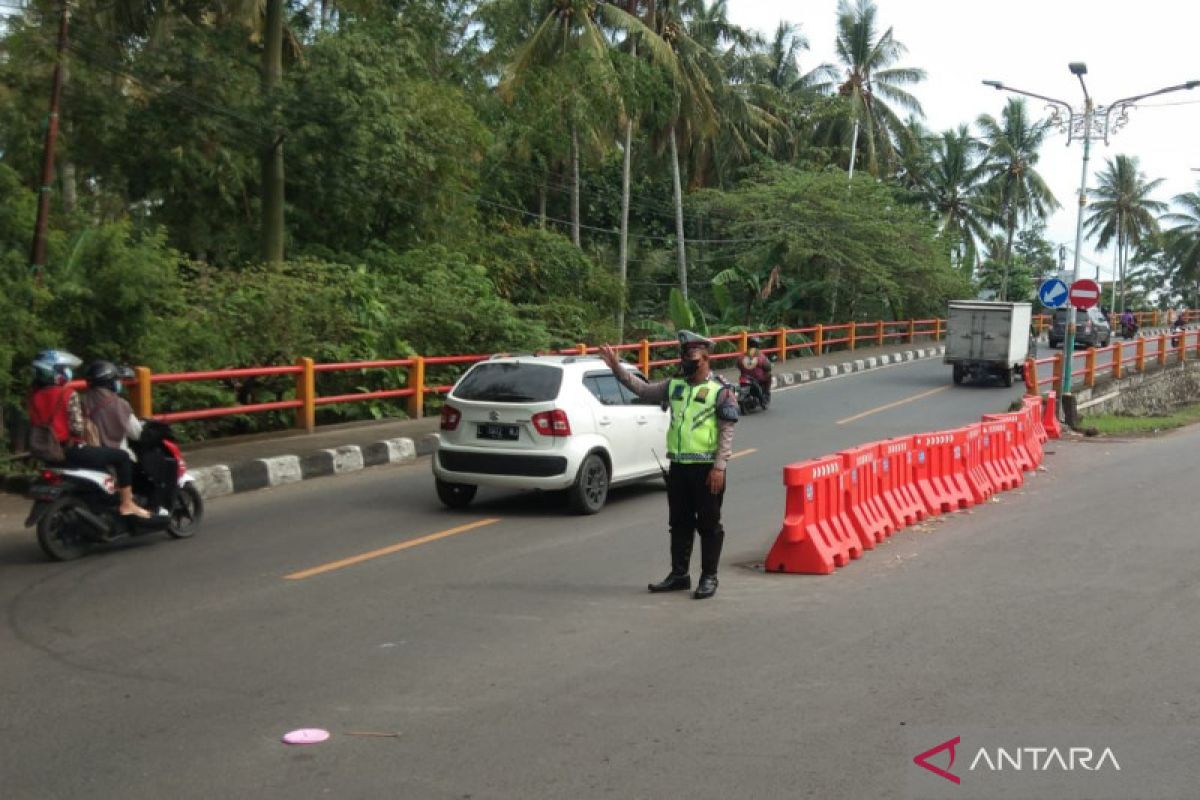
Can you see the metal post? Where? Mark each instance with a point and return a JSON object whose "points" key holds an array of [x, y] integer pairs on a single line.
{"points": [[1069, 342]]}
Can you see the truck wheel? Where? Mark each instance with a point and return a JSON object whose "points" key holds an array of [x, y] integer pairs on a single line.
{"points": [[959, 374]]}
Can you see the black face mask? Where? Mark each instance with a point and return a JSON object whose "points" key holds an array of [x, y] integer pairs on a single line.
{"points": [[689, 366]]}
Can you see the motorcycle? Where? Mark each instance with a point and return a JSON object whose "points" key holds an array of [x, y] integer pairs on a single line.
{"points": [[750, 396], [1129, 330], [75, 509]]}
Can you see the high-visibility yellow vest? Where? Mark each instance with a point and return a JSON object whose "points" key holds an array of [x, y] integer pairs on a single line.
{"points": [[692, 437]]}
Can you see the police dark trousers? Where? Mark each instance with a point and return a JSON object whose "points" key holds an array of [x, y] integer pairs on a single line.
{"points": [[693, 508], [101, 458]]}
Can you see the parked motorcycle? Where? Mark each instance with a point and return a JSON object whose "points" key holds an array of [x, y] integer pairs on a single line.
{"points": [[750, 396], [75, 509]]}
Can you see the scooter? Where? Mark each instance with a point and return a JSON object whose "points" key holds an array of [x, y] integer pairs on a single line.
{"points": [[76, 509], [750, 396], [1129, 330]]}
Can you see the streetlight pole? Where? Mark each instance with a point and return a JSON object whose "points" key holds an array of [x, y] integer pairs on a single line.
{"points": [[1092, 121]]}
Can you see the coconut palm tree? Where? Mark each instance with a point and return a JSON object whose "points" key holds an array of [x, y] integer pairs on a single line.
{"points": [[694, 118], [1016, 191], [871, 84], [572, 37], [1124, 211], [1182, 242], [954, 187]]}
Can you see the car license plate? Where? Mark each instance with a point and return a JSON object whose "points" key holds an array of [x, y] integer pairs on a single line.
{"points": [[504, 433]]}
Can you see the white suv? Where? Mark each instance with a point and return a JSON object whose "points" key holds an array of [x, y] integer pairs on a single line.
{"points": [[545, 422]]}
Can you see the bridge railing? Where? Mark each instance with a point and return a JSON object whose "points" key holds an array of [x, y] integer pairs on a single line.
{"points": [[417, 377], [1123, 356]]}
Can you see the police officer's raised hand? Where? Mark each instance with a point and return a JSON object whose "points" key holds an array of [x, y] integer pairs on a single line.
{"points": [[716, 480], [609, 356]]}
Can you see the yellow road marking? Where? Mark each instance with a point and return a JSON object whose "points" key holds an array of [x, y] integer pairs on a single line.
{"points": [[384, 551], [741, 453], [912, 399]]}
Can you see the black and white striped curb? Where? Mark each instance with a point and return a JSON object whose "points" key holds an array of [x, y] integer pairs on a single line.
{"points": [[261, 473], [855, 365]]}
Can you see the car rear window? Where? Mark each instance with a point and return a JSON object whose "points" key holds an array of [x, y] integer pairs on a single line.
{"points": [[510, 382], [1060, 315]]}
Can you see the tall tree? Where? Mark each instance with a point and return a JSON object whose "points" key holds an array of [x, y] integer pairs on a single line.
{"points": [[871, 84], [954, 187], [571, 39], [1018, 192], [1182, 243], [1123, 210]]}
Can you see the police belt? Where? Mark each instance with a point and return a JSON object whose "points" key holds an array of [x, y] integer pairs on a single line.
{"points": [[692, 458]]}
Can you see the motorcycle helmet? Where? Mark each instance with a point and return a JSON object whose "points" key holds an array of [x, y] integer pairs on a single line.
{"points": [[54, 367], [102, 375]]}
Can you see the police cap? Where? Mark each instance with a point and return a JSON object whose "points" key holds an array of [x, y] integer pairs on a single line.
{"points": [[689, 340]]}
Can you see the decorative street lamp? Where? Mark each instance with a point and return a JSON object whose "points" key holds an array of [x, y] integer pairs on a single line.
{"points": [[1091, 122]]}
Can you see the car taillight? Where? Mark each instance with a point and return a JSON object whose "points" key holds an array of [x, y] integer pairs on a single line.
{"points": [[52, 478], [450, 418], [552, 423]]}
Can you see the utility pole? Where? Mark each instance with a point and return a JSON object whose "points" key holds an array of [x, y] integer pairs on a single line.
{"points": [[37, 258]]}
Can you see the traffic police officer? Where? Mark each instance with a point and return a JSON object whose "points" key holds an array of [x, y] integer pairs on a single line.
{"points": [[699, 444]]}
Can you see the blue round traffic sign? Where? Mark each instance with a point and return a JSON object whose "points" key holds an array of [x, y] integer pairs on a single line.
{"points": [[1053, 293]]}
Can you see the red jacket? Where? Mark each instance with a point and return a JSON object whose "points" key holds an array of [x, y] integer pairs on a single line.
{"points": [[49, 406]]}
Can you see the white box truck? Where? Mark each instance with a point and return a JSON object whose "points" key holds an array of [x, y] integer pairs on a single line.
{"points": [[986, 339]]}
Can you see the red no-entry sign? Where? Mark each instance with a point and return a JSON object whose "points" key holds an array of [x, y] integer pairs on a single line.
{"points": [[1085, 293]]}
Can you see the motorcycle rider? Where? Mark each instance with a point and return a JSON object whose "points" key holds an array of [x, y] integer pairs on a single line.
{"points": [[757, 367], [1128, 324], [114, 422], [53, 403]]}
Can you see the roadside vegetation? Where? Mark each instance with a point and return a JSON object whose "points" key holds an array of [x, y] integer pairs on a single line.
{"points": [[242, 184], [1128, 425]]}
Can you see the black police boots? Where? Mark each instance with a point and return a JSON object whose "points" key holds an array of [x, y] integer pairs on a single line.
{"points": [[706, 588], [672, 583]]}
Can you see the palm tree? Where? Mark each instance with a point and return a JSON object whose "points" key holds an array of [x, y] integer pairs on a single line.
{"points": [[1182, 242], [869, 83], [954, 187], [695, 115], [571, 34], [1017, 192], [1123, 211]]}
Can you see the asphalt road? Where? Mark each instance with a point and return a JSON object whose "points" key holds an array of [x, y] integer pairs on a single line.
{"points": [[516, 654]]}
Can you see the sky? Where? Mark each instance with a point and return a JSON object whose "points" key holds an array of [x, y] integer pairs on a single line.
{"points": [[1129, 50]]}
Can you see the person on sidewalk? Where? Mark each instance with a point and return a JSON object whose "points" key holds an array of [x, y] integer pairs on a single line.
{"points": [[699, 444]]}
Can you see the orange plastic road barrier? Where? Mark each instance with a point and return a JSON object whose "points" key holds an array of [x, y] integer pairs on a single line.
{"points": [[1026, 459], [1034, 406], [1034, 435], [868, 516], [816, 536], [998, 461], [940, 472], [971, 440], [1050, 417], [897, 487]]}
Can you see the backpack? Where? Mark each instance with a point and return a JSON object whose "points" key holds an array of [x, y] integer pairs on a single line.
{"points": [[43, 443]]}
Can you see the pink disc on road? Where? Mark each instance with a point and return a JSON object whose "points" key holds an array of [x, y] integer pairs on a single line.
{"points": [[305, 736]]}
